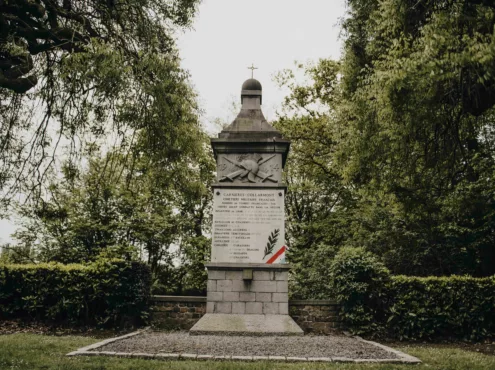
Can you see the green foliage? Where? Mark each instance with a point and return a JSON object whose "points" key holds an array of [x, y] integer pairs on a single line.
{"points": [[432, 307], [91, 73], [124, 206], [309, 275], [189, 277], [407, 307], [358, 280], [392, 146], [105, 293], [416, 123]]}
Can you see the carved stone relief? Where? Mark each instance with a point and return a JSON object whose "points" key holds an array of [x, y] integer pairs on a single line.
{"points": [[249, 167]]}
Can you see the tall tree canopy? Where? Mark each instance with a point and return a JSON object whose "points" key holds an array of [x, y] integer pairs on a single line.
{"points": [[401, 133], [100, 135], [417, 127], [73, 72]]}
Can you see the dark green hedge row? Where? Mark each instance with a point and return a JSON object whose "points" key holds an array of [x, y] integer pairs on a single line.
{"points": [[105, 293], [405, 307]]}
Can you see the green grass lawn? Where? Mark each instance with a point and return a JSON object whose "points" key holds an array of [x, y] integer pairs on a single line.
{"points": [[33, 351]]}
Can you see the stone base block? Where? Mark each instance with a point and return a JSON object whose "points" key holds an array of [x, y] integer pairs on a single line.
{"points": [[264, 292], [253, 325]]}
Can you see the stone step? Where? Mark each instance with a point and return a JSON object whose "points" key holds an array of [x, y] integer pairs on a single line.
{"points": [[251, 325]]}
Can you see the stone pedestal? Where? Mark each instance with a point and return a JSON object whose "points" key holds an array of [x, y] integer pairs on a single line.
{"points": [[247, 299], [231, 290]]}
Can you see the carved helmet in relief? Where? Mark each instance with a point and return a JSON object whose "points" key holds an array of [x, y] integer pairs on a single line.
{"points": [[250, 164]]}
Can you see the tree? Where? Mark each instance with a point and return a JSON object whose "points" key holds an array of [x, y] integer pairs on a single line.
{"points": [[317, 201], [130, 207], [417, 125], [76, 73], [401, 130], [38, 34]]}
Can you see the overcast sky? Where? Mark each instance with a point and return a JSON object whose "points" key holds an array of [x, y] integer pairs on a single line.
{"points": [[229, 35]]}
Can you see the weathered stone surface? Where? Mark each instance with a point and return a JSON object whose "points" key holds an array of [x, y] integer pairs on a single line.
{"points": [[223, 307], [246, 324], [320, 359], [211, 286], [247, 296], [283, 308], [242, 358], [263, 297], [264, 286], [282, 287], [231, 296], [315, 316], [262, 275], [167, 356], [280, 297], [216, 274], [270, 308], [224, 285], [260, 358], [215, 296], [277, 358], [272, 166], [259, 211], [233, 275], [281, 275], [241, 286], [297, 359], [205, 357], [210, 307], [188, 356], [239, 307], [254, 307], [143, 355], [223, 358]]}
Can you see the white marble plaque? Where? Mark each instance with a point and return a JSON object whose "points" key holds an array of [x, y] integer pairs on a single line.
{"points": [[248, 225]]}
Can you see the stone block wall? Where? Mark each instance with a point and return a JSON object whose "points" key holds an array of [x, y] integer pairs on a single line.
{"points": [[266, 293], [180, 312], [316, 316], [176, 312]]}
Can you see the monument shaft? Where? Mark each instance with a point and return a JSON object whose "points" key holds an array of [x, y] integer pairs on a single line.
{"points": [[248, 274]]}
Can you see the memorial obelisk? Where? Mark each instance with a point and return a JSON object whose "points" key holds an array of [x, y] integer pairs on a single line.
{"points": [[248, 276]]}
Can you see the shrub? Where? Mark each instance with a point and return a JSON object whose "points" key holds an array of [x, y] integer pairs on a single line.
{"points": [[313, 282], [447, 307], [408, 307], [107, 292], [359, 283]]}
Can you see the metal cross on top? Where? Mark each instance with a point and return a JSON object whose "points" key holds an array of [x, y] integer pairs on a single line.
{"points": [[252, 68]]}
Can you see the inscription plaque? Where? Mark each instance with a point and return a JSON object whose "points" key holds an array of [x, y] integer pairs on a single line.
{"points": [[248, 225]]}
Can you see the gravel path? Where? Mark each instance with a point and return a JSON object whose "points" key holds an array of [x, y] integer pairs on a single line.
{"points": [[304, 346]]}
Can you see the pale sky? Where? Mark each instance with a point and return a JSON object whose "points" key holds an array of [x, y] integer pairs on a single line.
{"points": [[229, 35]]}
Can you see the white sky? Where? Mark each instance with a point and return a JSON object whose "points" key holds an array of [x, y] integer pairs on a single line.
{"points": [[229, 35]]}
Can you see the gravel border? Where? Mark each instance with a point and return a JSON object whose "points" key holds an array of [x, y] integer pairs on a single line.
{"points": [[396, 355]]}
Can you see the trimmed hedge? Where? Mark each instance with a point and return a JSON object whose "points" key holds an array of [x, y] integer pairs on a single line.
{"points": [[447, 307], [105, 293], [404, 307]]}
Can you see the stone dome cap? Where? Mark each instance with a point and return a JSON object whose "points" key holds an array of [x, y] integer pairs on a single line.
{"points": [[250, 88], [251, 84]]}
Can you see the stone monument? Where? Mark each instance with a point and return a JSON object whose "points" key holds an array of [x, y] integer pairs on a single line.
{"points": [[248, 276]]}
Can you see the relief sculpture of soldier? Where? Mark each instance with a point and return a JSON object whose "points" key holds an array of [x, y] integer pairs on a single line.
{"points": [[248, 168]]}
